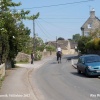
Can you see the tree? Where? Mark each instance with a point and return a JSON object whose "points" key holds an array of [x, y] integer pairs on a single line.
{"points": [[82, 44], [39, 44], [13, 33], [60, 38], [93, 46], [50, 48], [76, 37], [95, 34], [29, 45], [90, 43]]}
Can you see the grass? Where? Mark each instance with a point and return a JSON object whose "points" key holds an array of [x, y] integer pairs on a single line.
{"points": [[0, 84], [1, 80]]}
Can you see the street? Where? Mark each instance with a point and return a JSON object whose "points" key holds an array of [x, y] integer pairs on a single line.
{"points": [[54, 81]]}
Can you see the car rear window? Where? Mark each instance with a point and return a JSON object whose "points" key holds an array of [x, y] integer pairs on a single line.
{"points": [[92, 59]]}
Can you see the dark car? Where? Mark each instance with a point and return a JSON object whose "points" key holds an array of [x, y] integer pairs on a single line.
{"points": [[89, 64]]}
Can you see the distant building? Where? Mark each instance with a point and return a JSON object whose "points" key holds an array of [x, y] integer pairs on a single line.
{"points": [[73, 45], [68, 47], [91, 24], [62, 43]]}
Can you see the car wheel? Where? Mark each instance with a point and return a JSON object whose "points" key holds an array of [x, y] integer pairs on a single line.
{"points": [[78, 70], [87, 72]]}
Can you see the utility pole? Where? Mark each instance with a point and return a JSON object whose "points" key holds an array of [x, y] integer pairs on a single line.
{"points": [[56, 42], [34, 36]]}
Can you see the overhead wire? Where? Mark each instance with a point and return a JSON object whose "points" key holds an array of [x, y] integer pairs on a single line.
{"points": [[49, 34], [57, 27], [42, 29], [63, 4], [52, 25], [55, 34], [61, 18]]}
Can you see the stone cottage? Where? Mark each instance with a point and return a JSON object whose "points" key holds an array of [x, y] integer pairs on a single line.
{"points": [[91, 24], [67, 46]]}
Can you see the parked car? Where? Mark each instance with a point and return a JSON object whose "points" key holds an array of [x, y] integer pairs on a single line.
{"points": [[89, 64]]}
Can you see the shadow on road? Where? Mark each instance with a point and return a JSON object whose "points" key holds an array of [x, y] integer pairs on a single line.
{"points": [[69, 57], [54, 63], [80, 75], [83, 75]]}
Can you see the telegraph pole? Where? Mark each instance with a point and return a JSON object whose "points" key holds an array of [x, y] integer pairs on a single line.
{"points": [[56, 41], [34, 36]]}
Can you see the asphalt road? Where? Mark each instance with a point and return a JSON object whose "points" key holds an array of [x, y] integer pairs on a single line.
{"points": [[55, 81]]}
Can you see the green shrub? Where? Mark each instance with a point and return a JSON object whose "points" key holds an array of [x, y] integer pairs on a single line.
{"points": [[96, 43], [50, 48], [38, 55], [1, 80], [93, 44], [82, 44]]}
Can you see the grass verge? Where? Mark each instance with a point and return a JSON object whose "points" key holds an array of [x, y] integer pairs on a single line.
{"points": [[1, 80]]}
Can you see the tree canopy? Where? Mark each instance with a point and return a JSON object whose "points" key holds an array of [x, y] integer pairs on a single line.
{"points": [[13, 33], [60, 38], [76, 37], [90, 43]]}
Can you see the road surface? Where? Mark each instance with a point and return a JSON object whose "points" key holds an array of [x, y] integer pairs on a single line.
{"points": [[54, 81]]}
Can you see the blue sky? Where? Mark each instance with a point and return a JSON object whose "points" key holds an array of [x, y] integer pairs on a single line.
{"points": [[63, 20]]}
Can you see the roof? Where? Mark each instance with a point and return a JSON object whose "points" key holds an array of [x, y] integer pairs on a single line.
{"points": [[63, 43], [97, 18], [89, 19]]}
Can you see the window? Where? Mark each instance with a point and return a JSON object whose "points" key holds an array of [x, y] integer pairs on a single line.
{"points": [[92, 59], [86, 33], [89, 26]]}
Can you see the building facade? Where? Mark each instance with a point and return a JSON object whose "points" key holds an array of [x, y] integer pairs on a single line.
{"points": [[91, 24]]}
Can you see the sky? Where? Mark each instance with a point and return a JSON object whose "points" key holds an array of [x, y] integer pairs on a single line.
{"points": [[58, 18]]}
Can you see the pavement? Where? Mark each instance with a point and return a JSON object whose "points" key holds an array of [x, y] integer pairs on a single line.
{"points": [[17, 84]]}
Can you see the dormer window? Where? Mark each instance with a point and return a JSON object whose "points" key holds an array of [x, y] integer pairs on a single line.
{"points": [[89, 26]]}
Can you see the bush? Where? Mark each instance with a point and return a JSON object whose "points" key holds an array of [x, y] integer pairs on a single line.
{"points": [[82, 44], [90, 45], [50, 48], [93, 44], [38, 55], [96, 43]]}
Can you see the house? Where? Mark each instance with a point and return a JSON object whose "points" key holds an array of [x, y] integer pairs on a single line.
{"points": [[67, 46], [63, 43], [91, 24]]}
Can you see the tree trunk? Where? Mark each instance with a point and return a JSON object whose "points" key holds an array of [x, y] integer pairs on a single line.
{"points": [[8, 64]]}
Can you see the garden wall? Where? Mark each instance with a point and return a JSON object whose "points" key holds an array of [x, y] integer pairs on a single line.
{"points": [[22, 57], [2, 71]]}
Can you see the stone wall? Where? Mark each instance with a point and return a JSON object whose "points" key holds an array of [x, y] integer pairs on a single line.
{"points": [[2, 71], [48, 53], [70, 51], [22, 57]]}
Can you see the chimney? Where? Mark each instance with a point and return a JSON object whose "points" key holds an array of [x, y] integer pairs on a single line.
{"points": [[92, 13]]}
